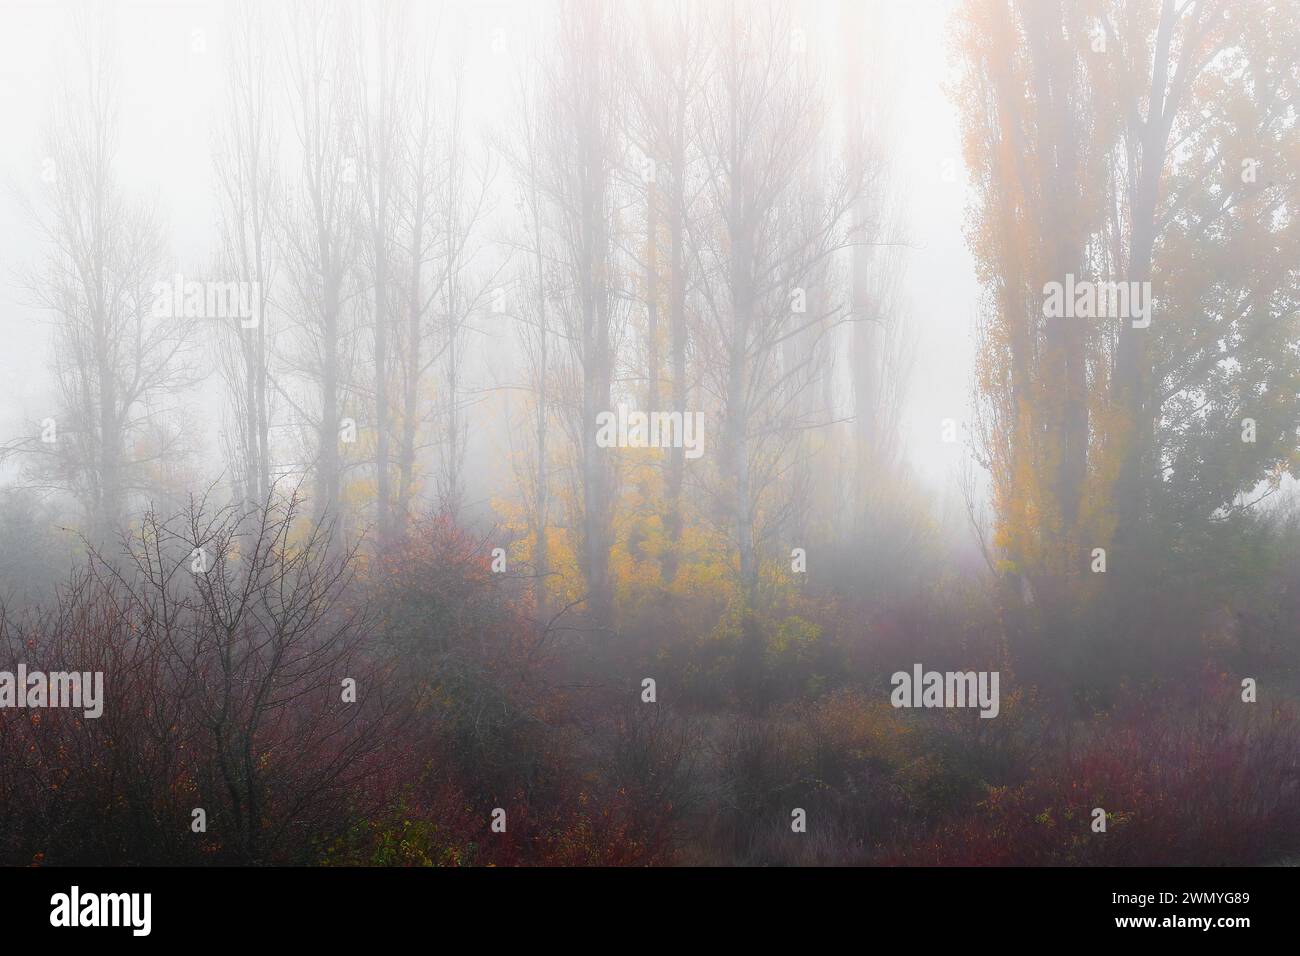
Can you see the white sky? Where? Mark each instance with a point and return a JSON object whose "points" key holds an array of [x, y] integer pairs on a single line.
{"points": [[170, 60]]}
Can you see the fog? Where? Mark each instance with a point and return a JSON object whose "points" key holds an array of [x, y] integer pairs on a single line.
{"points": [[172, 58], [772, 352]]}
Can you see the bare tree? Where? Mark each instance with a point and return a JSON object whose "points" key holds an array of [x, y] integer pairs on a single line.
{"points": [[247, 194], [321, 238], [763, 248], [879, 345], [418, 186], [381, 71], [580, 154], [116, 358], [537, 281], [666, 77], [462, 290], [258, 643]]}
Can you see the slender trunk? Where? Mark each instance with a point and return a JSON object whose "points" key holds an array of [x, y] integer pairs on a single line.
{"points": [[737, 419], [327, 475], [677, 322], [411, 379], [384, 502], [1132, 365], [451, 490], [110, 503], [652, 300], [262, 415], [595, 399], [541, 557], [737, 416], [251, 436]]}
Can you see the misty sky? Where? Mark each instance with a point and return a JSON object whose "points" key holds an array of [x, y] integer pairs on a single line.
{"points": [[170, 62]]}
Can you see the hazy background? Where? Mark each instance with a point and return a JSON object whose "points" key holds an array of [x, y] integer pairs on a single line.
{"points": [[171, 60], [634, 657]]}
